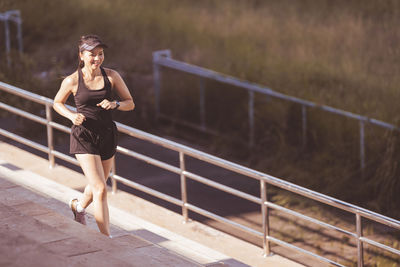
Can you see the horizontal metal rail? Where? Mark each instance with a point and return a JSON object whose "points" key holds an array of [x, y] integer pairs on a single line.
{"points": [[66, 158], [148, 190], [60, 127], [309, 219], [23, 113], [223, 220], [23, 140], [185, 150], [222, 187], [164, 59], [189, 124], [380, 245], [258, 175], [149, 160], [25, 94], [167, 61], [290, 246], [13, 15]]}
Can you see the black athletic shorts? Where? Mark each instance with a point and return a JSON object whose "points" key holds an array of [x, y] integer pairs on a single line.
{"points": [[94, 138]]}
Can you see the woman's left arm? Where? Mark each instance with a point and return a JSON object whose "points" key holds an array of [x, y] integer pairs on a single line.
{"points": [[122, 90]]}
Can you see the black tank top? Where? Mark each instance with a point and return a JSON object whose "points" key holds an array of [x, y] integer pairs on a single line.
{"points": [[86, 100]]}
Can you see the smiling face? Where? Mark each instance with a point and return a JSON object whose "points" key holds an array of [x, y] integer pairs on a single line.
{"points": [[93, 58]]}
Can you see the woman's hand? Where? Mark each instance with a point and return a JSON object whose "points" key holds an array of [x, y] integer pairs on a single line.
{"points": [[78, 118], [105, 104]]}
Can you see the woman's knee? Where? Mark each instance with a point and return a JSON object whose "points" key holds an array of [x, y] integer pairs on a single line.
{"points": [[99, 191]]}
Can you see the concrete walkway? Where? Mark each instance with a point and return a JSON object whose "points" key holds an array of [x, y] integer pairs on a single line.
{"points": [[38, 220], [35, 233]]}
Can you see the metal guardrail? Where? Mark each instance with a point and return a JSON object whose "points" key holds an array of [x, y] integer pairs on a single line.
{"points": [[14, 16], [163, 59], [183, 151]]}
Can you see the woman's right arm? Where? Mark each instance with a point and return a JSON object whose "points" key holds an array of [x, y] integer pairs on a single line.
{"points": [[66, 88]]}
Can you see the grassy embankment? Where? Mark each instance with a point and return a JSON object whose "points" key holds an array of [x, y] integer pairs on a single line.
{"points": [[339, 53]]}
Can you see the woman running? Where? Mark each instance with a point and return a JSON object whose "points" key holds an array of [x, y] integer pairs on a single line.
{"points": [[93, 137]]}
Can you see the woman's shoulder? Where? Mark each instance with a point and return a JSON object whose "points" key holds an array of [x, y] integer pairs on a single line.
{"points": [[71, 79], [113, 76], [110, 72]]}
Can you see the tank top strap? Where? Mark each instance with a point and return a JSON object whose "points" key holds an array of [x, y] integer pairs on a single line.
{"points": [[107, 83], [80, 80]]}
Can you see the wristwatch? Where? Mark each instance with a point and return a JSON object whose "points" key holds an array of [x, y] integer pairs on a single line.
{"points": [[117, 104]]}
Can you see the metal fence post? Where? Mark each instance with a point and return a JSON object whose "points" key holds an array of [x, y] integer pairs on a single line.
{"points": [[15, 16], [265, 218], [202, 105], [157, 76], [50, 139], [360, 257], [304, 124], [19, 33], [362, 146], [251, 118], [183, 187], [113, 181], [157, 84], [8, 45]]}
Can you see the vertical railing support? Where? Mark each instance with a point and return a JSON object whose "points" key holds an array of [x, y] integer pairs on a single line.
{"points": [[50, 139], [265, 219], [113, 181], [157, 77], [362, 146], [8, 42], [157, 87], [360, 256], [202, 105], [183, 187], [15, 16], [304, 124], [19, 34], [251, 118]]}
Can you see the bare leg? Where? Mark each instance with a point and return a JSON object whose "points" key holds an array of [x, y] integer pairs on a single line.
{"points": [[87, 197], [93, 169], [107, 165], [87, 193]]}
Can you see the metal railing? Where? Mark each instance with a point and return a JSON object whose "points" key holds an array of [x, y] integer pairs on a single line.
{"points": [[163, 59], [6, 17], [264, 180]]}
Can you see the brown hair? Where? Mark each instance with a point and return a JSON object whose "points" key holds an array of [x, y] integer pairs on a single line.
{"points": [[81, 63]]}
